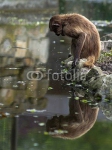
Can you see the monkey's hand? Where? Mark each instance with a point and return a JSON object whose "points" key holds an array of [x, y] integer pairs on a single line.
{"points": [[75, 63]]}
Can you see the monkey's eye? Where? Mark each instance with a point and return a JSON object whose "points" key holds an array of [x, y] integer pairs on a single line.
{"points": [[56, 25]]}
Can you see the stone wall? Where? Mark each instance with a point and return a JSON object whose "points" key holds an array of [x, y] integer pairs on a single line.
{"points": [[27, 4]]}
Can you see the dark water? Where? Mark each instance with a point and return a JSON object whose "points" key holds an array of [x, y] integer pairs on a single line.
{"points": [[31, 90]]}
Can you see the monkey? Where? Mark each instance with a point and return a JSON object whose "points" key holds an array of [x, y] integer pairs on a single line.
{"points": [[85, 38], [80, 120]]}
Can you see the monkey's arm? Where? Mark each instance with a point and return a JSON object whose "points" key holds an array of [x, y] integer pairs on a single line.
{"points": [[78, 40], [75, 110], [77, 46]]}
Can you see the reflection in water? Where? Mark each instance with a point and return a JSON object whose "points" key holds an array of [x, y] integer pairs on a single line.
{"points": [[22, 51], [90, 88], [16, 96], [81, 119]]}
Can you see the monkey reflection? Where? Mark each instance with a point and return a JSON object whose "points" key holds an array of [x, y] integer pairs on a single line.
{"points": [[80, 120]]}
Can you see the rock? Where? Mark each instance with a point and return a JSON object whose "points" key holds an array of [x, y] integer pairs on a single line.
{"points": [[95, 86]]}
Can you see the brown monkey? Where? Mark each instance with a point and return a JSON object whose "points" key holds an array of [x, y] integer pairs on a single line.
{"points": [[80, 120], [85, 37]]}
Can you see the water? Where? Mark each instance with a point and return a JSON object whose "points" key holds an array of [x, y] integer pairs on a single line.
{"points": [[30, 57]]}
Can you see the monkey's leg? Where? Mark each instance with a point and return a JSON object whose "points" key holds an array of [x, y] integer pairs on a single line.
{"points": [[90, 61], [77, 46], [75, 110]]}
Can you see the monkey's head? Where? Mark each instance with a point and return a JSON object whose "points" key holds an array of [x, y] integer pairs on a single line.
{"points": [[55, 25], [55, 123], [61, 127]]}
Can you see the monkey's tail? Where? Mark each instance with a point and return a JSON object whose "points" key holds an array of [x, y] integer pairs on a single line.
{"points": [[90, 62]]}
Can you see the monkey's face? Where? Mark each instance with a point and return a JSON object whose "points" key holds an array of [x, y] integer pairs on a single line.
{"points": [[56, 123], [55, 25]]}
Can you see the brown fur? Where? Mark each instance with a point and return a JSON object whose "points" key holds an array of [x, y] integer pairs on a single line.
{"points": [[85, 37], [76, 124]]}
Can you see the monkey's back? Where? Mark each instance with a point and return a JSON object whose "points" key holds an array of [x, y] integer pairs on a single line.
{"points": [[82, 24]]}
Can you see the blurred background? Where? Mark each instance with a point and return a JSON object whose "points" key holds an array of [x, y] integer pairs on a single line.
{"points": [[27, 45]]}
